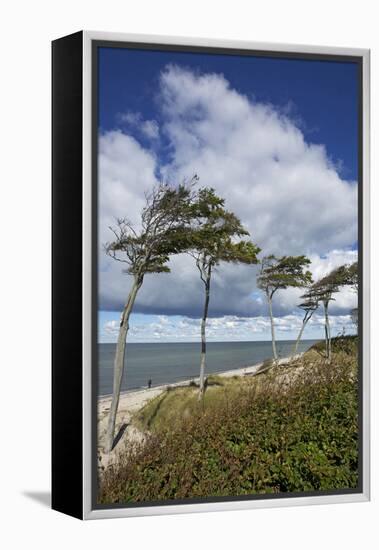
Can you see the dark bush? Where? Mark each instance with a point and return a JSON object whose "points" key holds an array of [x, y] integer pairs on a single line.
{"points": [[347, 344], [287, 434]]}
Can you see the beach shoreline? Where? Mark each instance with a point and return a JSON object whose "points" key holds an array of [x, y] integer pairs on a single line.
{"points": [[171, 362], [131, 401], [240, 371]]}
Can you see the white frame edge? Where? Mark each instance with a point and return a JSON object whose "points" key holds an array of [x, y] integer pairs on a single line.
{"points": [[88, 512]]}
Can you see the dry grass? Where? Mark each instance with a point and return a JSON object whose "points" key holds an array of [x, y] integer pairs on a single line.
{"points": [[293, 428]]}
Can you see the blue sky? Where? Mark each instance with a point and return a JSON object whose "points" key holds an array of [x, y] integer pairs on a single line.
{"points": [[166, 114], [321, 96]]}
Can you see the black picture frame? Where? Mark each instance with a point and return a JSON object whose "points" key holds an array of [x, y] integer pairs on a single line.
{"points": [[74, 273]]}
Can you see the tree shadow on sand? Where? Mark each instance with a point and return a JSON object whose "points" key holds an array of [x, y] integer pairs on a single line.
{"points": [[156, 410], [118, 437]]}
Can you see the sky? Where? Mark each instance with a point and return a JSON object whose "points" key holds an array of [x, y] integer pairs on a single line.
{"points": [[277, 138]]}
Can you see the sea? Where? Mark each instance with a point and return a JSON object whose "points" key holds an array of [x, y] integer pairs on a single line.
{"points": [[166, 363]]}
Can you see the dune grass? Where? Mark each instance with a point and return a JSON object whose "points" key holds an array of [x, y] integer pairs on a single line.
{"points": [[291, 429], [179, 403]]}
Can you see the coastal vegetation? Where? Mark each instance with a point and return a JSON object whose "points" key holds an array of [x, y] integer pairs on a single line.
{"points": [[228, 323], [322, 291], [309, 305], [211, 242], [280, 274], [174, 220], [146, 249], [293, 428], [188, 219]]}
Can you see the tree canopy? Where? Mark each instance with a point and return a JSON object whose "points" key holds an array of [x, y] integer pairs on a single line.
{"points": [[352, 275], [146, 248], [213, 239], [323, 290], [283, 272], [343, 275], [166, 216]]}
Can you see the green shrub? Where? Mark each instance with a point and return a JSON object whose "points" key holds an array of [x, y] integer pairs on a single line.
{"points": [[347, 344], [276, 433]]}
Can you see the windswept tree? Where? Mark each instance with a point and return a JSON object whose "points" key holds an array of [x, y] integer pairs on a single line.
{"points": [[146, 249], [354, 317], [324, 289], [351, 276], [309, 304], [212, 242], [279, 274]]}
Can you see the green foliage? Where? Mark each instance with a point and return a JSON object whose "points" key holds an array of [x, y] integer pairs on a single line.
{"points": [[165, 218], [211, 240], [284, 272], [346, 344], [343, 275], [293, 429], [352, 275], [177, 404], [180, 219], [310, 300], [323, 291]]}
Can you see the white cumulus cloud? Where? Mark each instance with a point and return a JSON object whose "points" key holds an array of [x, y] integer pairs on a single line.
{"points": [[285, 190]]}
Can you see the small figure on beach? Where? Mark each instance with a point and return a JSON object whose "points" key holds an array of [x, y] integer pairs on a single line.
{"points": [[149, 383]]}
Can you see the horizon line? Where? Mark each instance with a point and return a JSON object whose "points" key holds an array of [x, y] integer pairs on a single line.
{"points": [[215, 341]]}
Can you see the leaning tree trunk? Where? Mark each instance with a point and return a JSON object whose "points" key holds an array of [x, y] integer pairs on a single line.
{"points": [[119, 362], [207, 284], [299, 337], [305, 321], [269, 298]]}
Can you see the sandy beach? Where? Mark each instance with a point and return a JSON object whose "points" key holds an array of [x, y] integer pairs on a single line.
{"points": [[132, 401]]}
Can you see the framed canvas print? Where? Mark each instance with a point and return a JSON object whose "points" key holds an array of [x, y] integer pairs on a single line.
{"points": [[210, 275]]}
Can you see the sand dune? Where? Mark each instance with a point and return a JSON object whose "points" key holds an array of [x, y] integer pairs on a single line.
{"points": [[132, 401]]}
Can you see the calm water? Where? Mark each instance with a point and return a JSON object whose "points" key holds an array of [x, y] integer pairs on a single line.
{"points": [[167, 363]]}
